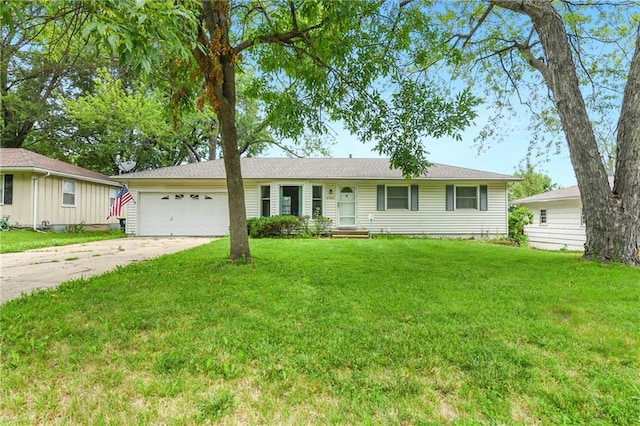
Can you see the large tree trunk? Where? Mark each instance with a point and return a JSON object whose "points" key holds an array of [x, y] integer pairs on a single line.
{"points": [[218, 67], [612, 216]]}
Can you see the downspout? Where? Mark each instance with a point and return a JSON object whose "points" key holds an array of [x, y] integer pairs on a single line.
{"points": [[35, 199]]}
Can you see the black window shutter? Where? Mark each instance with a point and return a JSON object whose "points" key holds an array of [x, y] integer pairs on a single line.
{"points": [[414, 197], [380, 197], [449, 197], [484, 202], [8, 189]]}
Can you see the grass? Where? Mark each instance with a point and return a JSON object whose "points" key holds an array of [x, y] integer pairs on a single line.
{"points": [[331, 331], [18, 240]]}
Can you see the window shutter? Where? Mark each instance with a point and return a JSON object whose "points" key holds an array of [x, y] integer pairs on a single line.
{"points": [[8, 189], [380, 197], [484, 203], [414, 197], [449, 197]]}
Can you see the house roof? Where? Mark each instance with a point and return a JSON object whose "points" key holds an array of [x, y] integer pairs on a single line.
{"points": [[568, 193], [311, 168], [20, 159]]}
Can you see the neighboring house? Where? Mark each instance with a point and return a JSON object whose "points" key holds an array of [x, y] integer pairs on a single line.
{"points": [[354, 193], [36, 189], [558, 222]]}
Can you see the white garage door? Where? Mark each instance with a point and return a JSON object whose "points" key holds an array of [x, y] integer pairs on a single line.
{"points": [[183, 214]]}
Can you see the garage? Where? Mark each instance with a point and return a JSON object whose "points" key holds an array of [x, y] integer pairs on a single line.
{"points": [[183, 214]]}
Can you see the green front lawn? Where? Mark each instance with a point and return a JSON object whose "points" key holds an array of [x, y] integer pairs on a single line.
{"points": [[331, 331], [17, 240]]}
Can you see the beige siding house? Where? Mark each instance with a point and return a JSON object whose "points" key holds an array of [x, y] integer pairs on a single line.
{"points": [[37, 189], [354, 193], [558, 222]]}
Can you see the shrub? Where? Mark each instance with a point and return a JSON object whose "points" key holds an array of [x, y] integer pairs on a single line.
{"points": [[519, 218], [273, 226]]}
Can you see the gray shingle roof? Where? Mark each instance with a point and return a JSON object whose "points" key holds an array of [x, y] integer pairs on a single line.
{"points": [[310, 168], [23, 159], [568, 193]]}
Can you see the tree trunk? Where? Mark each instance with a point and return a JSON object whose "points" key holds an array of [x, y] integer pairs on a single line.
{"points": [[218, 67], [612, 216]]}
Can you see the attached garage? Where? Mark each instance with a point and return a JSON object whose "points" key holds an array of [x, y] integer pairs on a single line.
{"points": [[182, 214]]}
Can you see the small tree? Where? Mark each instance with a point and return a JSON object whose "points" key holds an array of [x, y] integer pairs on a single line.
{"points": [[519, 217]]}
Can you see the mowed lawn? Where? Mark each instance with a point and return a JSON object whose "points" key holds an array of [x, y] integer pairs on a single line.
{"points": [[17, 240], [331, 332]]}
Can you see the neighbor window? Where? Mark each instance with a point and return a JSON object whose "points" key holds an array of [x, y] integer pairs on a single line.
{"points": [[265, 200], [68, 193], [113, 194], [397, 197], [543, 216], [467, 197], [316, 200], [291, 200], [6, 184]]}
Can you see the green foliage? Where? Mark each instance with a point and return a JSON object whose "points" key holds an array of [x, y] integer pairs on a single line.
{"points": [[519, 218], [273, 226], [532, 183]]}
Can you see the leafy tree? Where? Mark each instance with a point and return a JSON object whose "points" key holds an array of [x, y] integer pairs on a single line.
{"points": [[532, 182], [573, 65], [314, 61], [41, 55]]}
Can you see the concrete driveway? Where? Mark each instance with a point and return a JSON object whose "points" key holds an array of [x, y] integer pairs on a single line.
{"points": [[48, 267]]}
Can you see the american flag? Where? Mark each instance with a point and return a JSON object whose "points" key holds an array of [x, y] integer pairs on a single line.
{"points": [[124, 196]]}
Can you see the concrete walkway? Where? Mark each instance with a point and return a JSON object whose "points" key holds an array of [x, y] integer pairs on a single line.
{"points": [[48, 267]]}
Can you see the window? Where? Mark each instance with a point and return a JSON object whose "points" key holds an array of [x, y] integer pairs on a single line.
{"points": [[113, 194], [466, 197], [397, 197], [316, 200], [68, 193], [543, 216], [291, 200], [6, 184], [265, 201]]}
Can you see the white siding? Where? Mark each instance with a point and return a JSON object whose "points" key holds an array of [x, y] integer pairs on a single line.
{"points": [[91, 201], [562, 230], [432, 218]]}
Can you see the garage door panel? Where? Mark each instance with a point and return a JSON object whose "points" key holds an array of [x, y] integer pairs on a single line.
{"points": [[183, 214]]}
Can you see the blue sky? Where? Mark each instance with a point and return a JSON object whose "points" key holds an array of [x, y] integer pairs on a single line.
{"points": [[500, 157]]}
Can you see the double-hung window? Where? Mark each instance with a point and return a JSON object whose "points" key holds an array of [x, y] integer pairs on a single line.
{"points": [[113, 194], [397, 197], [6, 184], [265, 200], [68, 193], [467, 197], [543, 216], [316, 201]]}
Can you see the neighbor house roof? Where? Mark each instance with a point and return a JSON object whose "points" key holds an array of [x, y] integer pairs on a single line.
{"points": [[20, 159], [311, 168], [568, 193]]}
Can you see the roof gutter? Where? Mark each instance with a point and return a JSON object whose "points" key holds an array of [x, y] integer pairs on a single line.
{"points": [[35, 198]]}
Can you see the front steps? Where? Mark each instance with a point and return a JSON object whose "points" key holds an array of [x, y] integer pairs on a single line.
{"points": [[349, 233]]}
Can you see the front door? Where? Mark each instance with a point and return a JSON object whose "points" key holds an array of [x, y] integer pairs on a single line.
{"points": [[347, 207]]}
